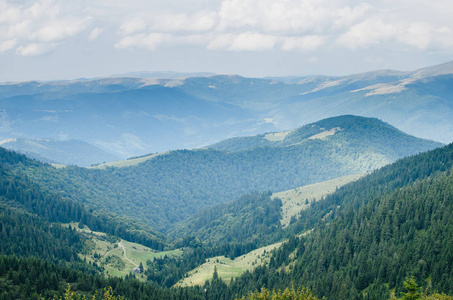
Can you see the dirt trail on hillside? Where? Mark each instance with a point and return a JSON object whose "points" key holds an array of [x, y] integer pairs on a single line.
{"points": [[124, 253]]}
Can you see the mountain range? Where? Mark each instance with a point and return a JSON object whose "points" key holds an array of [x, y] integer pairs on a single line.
{"points": [[164, 189], [68, 152], [133, 115], [361, 241], [307, 188]]}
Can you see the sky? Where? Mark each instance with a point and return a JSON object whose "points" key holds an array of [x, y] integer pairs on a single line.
{"points": [[50, 39]]}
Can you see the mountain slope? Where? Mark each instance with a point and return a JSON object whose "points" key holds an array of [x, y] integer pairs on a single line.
{"points": [[406, 232], [251, 218], [19, 190], [125, 116], [418, 102], [169, 188], [377, 231], [70, 152], [368, 132], [130, 116]]}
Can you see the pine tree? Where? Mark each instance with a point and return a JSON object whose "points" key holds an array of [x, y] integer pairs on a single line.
{"points": [[412, 289]]}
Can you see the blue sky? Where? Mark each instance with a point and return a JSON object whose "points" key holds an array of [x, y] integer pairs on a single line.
{"points": [[47, 39]]}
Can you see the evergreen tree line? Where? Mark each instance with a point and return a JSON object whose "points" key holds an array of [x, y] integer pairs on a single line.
{"points": [[23, 234], [253, 216], [364, 253], [169, 188], [16, 187], [381, 182]]}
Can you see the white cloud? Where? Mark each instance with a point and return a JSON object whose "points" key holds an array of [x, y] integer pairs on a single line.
{"points": [[354, 28], [367, 33], [133, 26], [195, 22], [233, 25], [7, 45], [309, 43], [250, 41], [94, 34], [33, 49], [57, 30], [150, 41], [417, 34], [443, 39], [296, 17], [9, 14], [37, 26]]}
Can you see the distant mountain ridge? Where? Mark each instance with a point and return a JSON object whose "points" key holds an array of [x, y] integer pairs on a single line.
{"points": [[162, 190], [131, 116], [68, 152], [346, 129]]}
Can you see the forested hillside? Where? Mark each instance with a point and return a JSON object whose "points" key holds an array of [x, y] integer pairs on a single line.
{"points": [[253, 217], [171, 187], [16, 189], [381, 229], [367, 134], [361, 242]]}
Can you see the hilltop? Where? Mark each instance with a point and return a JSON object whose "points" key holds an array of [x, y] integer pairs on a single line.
{"points": [[168, 188], [136, 114]]}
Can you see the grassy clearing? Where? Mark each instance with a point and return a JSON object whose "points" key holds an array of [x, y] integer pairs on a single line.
{"points": [[323, 135], [300, 198], [227, 268], [277, 136], [128, 162], [58, 166], [104, 251]]}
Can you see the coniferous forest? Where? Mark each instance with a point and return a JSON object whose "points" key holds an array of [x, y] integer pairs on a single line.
{"points": [[388, 235]]}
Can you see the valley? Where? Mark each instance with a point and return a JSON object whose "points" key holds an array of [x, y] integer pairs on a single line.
{"points": [[226, 268], [298, 199], [307, 182]]}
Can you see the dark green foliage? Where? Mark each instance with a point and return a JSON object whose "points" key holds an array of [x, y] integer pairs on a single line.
{"points": [[172, 187], [27, 235], [400, 227], [18, 190], [412, 289], [252, 217], [27, 278], [366, 239], [366, 135], [287, 294], [381, 182]]}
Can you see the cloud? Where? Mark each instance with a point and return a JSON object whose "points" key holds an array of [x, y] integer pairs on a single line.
{"points": [[249, 41], [375, 32], [310, 28], [295, 25], [33, 49], [367, 33], [149, 41], [7, 45], [133, 26], [38, 26], [94, 34], [57, 30], [309, 43], [183, 22], [248, 25]]}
